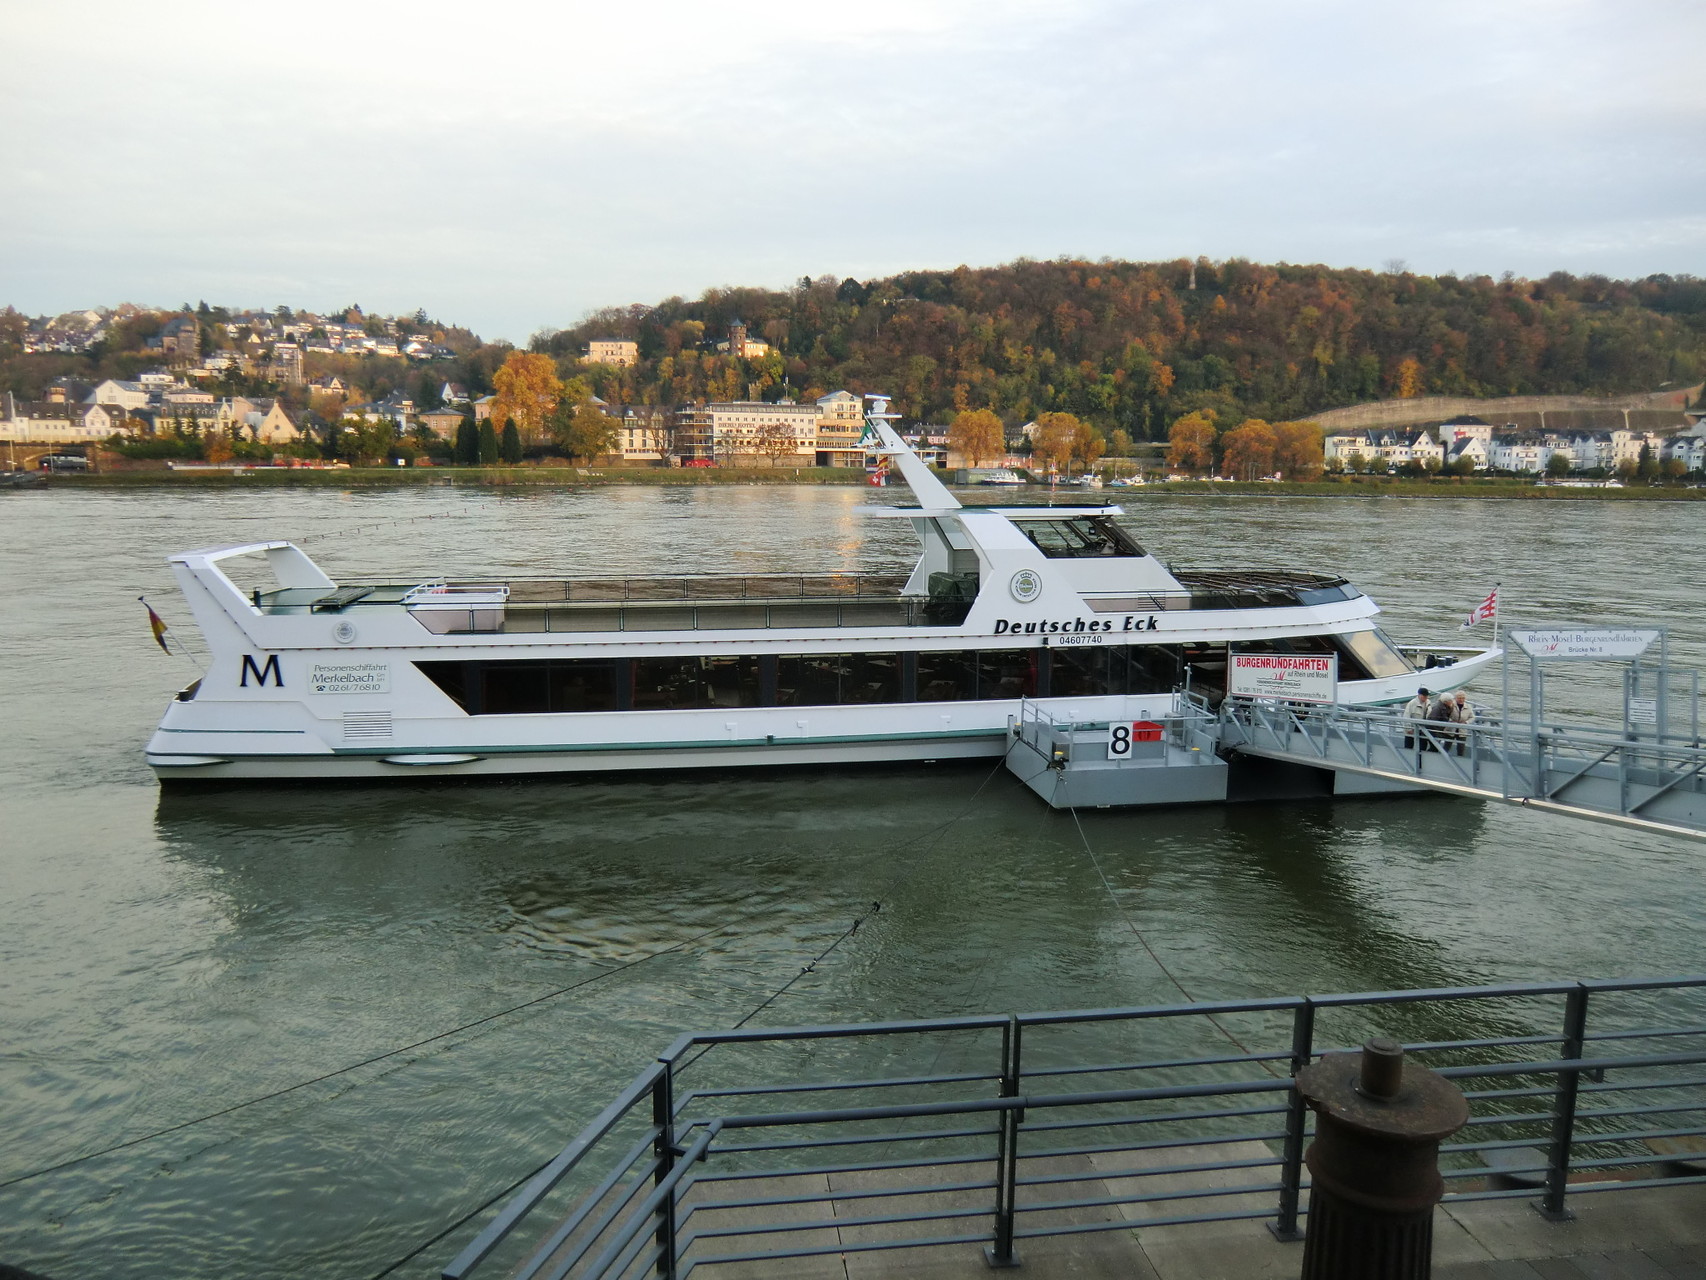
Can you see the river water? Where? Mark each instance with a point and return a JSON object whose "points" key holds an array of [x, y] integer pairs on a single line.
{"points": [[162, 958]]}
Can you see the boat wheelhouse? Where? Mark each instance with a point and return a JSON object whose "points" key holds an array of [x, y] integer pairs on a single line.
{"points": [[310, 677]]}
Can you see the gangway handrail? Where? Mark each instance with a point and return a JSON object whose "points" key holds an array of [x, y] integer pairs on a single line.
{"points": [[1563, 768]]}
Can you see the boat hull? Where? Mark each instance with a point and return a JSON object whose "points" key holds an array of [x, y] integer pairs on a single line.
{"points": [[219, 741]]}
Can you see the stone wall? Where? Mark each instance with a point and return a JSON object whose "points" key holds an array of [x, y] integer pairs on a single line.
{"points": [[1653, 411]]}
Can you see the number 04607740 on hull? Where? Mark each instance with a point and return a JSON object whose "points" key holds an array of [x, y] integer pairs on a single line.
{"points": [[313, 678]]}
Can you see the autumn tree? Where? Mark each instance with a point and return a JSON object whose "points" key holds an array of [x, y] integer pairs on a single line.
{"points": [[977, 436], [216, 446], [1190, 442], [776, 441], [528, 389], [1409, 378], [1091, 445], [1249, 450], [1063, 438], [1298, 450], [1120, 444], [582, 431]]}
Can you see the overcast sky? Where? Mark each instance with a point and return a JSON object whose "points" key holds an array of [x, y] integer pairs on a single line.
{"points": [[513, 165]]}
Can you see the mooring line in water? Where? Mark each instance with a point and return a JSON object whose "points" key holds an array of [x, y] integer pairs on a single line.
{"points": [[478, 1209], [1144, 942], [876, 906], [934, 836], [366, 1062]]}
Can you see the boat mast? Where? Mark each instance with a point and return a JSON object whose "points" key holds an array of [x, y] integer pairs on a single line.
{"points": [[929, 491]]}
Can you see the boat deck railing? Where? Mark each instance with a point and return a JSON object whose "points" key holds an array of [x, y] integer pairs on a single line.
{"points": [[765, 1144], [707, 587], [693, 602]]}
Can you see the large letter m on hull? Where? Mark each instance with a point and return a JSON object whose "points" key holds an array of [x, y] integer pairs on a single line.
{"points": [[262, 672]]}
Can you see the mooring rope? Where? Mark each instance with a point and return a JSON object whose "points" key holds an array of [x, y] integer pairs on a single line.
{"points": [[1143, 941]]}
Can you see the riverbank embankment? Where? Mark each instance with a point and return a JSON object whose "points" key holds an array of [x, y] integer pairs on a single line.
{"points": [[582, 477]]}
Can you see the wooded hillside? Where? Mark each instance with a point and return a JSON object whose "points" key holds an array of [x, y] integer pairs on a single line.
{"points": [[1135, 345]]}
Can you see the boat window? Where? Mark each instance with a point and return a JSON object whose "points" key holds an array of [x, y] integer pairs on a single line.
{"points": [[525, 687], [1079, 537], [1089, 671], [1007, 673], [947, 677], [1328, 594], [833, 679], [588, 685], [452, 680], [1080, 672], [535, 686], [1375, 653], [685, 683], [733, 682], [1150, 668]]}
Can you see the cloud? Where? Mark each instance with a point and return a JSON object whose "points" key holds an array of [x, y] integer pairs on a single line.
{"points": [[515, 165]]}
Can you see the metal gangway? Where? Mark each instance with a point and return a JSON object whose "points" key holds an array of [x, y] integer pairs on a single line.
{"points": [[1648, 772]]}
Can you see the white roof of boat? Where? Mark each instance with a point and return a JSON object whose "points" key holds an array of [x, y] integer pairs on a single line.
{"points": [[220, 553], [1033, 511]]}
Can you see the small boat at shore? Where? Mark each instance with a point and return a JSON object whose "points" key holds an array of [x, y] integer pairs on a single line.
{"points": [[1001, 478], [311, 677]]}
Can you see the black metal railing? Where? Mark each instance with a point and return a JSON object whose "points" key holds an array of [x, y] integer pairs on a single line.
{"points": [[985, 1131], [809, 586]]}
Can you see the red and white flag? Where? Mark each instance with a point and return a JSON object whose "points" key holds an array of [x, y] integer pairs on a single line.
{"points": [[1488, 608]]}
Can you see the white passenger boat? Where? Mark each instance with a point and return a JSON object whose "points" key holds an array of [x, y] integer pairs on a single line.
{"points": [[1002, 478], [312, 678]]}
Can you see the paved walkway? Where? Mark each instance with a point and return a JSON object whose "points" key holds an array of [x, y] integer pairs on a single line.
{"points": [[1644, 1234]]}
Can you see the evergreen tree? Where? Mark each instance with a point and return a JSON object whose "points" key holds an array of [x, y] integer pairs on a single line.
{"points": [[510, 450], [1647, 466], [467, 443], [488, 444]]}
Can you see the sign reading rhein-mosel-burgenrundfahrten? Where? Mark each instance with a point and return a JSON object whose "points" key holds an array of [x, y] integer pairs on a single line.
{"points": [[1294, 677], [1573, 642]]}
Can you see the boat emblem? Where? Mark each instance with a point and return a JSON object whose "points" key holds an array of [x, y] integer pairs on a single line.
{"points": [[344, 632], [1026, 585]]}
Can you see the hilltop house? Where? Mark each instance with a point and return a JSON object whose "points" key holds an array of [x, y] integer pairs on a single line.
{"points": [[621, 352]]}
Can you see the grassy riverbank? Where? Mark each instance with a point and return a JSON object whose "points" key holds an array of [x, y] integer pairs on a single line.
{"points": [[1433, 487], [576, 477], [493, 477]]}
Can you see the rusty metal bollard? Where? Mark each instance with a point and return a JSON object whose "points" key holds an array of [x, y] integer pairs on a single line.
{"points": [[1374, 1164]]}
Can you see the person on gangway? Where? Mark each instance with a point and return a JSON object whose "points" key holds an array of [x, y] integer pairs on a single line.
{"points": [[1415, 709]]}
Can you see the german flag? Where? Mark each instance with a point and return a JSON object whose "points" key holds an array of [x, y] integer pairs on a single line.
{"points": [[157, 625]]}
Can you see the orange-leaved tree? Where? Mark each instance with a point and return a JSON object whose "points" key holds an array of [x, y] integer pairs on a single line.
{"points": [[1249, 450], [527, 389], [1190, 442], [977, 436], [1409, 378], [1298, 453], [1062, 439]]}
